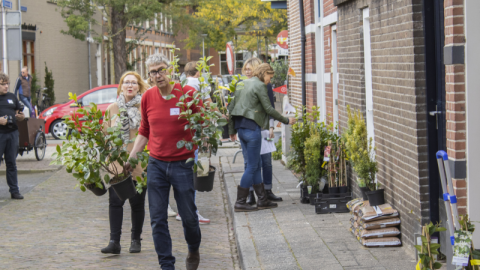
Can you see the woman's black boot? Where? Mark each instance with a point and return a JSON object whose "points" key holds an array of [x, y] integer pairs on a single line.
{"points": [[251, 198], [113, 247], [263, 202], [135, 246], [241, 204]]}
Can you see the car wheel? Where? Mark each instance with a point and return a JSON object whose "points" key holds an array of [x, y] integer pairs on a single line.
{"points": [[59, 129]]}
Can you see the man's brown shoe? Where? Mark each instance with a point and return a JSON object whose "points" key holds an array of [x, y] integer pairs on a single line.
{"points": [[193, 260]]}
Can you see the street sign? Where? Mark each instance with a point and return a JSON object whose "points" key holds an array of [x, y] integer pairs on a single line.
{"points": [[7, 4], [282, 39], [282, 89], [230, 59], [23, 9]]}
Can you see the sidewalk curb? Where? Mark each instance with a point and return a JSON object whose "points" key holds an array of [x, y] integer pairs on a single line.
{"points": [[2, 172], [241, 247]]}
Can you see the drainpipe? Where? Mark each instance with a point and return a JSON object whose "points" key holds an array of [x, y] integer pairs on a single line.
{"points": [[303, 40]]}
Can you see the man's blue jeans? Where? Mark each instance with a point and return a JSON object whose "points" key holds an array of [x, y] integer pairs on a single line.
{"points": [[251, 141], [266, 165], [27, 102], [161, 176], [9, 150]]}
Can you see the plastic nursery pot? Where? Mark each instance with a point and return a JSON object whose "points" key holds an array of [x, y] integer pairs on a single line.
{"points": [[205, 183], [376, 197], [304, 198], [125, 189], [333, 190], [343, 189], [312, 197], [364, 191], [97, 191]]}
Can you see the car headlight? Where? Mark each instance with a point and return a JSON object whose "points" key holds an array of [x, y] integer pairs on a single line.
{"points": [[49, 112]]}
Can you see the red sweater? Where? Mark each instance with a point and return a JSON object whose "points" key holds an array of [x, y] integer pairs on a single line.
{"points": [[161, 126]]}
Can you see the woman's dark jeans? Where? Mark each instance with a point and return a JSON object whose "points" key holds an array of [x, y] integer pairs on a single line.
{"points": [[266, 164], [137, 204], [251, 141]]}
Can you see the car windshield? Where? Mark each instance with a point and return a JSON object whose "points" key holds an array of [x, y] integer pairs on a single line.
{"points": [[102, 96]]}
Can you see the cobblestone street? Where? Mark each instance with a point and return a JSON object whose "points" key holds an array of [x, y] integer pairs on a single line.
{"points": [[58, 227]]}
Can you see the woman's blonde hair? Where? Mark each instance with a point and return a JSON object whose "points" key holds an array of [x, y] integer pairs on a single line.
{"points": [[142, 86], [263, 69], [254, 62]]}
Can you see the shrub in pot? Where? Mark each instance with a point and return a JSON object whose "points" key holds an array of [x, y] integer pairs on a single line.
{"points": [[360, 150], [91, 149], [205, 125]]}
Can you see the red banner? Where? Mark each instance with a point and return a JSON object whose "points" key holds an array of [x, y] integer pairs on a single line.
{"points": [[282, 89]]}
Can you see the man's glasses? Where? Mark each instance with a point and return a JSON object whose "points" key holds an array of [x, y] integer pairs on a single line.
{"points": [[156, 72], [131, 83]]}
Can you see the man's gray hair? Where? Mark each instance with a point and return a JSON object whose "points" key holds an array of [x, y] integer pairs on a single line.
{"points": [[157, 59]]}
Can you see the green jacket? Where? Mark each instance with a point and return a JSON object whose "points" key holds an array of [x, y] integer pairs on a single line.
{"points": [[251, 101]]}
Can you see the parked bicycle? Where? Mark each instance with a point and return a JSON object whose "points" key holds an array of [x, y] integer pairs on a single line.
{"points": [[43, 100]]}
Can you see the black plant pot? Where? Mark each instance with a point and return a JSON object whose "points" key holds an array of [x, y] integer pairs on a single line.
{"points": [[376, 197], [333, 190], [97, 191], [343, 189], [312, 197], [125, 189], [304, 196], [364, 191], [325, 189], [204, 183]]}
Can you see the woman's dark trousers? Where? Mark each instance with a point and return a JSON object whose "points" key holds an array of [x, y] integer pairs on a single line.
{"points": [[137, 204]]}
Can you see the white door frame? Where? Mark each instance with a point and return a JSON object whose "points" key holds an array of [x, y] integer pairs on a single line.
{"points": [[334, 70], [368, 75], [472, 70]]}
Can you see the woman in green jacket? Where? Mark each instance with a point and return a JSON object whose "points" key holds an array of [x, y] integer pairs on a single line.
{"points": [[249, 115]]}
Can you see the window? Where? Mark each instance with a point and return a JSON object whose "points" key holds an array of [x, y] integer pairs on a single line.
{"points": [[29, 55], [103, 96]]}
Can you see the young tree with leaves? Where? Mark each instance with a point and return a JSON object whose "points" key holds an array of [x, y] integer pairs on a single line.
{"points": [[80, 17]]}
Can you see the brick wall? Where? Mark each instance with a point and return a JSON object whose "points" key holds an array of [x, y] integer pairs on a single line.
{"points": [[398, 96], [294, 52], [455, 96]]}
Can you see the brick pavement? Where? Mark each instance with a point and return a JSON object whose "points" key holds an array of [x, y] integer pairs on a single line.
{"points": [[292, 236], [58, 227]]}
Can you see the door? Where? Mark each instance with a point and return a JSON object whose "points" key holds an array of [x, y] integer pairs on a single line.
{"points": [[433, 17], [335, 75]]}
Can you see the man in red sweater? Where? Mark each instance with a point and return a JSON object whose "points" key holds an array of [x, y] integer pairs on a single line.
{"points": [[167, 166]]}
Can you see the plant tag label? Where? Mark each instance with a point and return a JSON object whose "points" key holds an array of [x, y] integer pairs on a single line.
{"points": [[333, 206], [174, 111]]}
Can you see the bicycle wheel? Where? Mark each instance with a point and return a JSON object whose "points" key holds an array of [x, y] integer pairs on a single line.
{"points": [[40, 145]]}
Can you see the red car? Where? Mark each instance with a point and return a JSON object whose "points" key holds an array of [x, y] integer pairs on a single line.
{"points": [[102, 96]]}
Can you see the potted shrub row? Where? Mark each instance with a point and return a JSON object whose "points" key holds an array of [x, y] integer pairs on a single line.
{"points": [[361, 153]]}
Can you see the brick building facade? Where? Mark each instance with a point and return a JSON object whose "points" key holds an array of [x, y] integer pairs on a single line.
{"points": [[402, 64]]}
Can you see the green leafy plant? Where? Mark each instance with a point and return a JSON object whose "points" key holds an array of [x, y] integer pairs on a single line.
{"points": [[91, 148], [466, 225], [360, 150], [300, 133], [49, 84], [277, 155], [281, 71], [427, 250], [205, 124]]}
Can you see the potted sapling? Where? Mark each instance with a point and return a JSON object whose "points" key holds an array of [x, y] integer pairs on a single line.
{"points": [[91, 149], [205, 125]]}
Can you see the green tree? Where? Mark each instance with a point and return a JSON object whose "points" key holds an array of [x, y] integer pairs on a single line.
{"points": [[221, 20], [80, 17], [49, 83]]}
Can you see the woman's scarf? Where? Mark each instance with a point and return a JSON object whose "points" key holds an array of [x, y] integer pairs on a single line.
{"points": [[130, 116]]}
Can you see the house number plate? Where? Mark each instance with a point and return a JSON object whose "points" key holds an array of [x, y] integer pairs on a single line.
{"points": [[333, 206]]}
